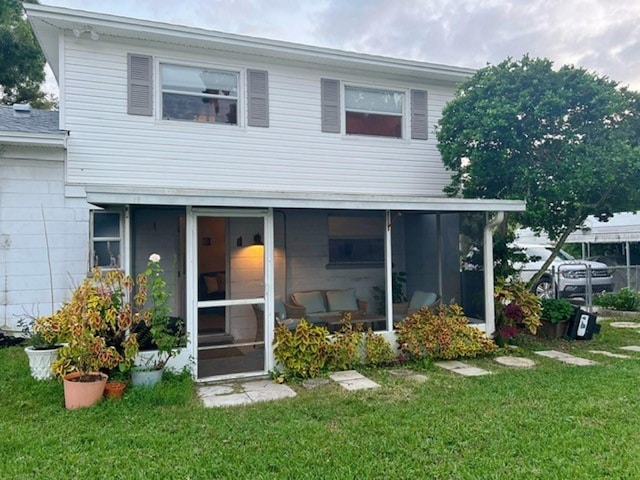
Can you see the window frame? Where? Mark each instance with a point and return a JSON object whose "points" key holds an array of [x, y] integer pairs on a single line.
{"points": [[222, 68], [334, 263], [404, 122], [120, 262]]}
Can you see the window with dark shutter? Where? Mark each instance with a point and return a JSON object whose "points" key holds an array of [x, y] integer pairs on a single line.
{"points": [[330, 105], [419, 115], [140, 84], [258, 98]]}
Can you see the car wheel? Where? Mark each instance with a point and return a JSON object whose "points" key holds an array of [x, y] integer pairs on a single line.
{"points": [[544, 288]]}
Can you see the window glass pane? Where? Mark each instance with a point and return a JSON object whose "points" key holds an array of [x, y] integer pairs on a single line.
{"points": [[199, 80], [106, 254], [372, 124], [199, 109], [382, 101], [354, 250], [106, 224], [351, 226]]}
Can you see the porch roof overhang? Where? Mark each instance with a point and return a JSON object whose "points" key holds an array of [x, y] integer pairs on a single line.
{"points": [[116, 195], [32, 139]]}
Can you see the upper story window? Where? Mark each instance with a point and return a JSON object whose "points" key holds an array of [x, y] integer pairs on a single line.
{"points": [[199, 94], [370, 111]]}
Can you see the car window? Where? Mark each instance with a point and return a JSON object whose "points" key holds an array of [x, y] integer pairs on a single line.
{"points": [[562, 255]]}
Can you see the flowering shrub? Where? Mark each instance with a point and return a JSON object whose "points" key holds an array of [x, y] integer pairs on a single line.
{"points": [[442, 333], [94, 324], [516, 305], [165, 334]]}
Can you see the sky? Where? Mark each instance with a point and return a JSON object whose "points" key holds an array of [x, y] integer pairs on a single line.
{"points": [[602, 36]]}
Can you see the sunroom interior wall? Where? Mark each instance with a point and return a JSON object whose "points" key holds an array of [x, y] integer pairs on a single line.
{"points": [[245, 275], [157, 230], [308, 256], [422, 255], [109, 147], [32, 197]]}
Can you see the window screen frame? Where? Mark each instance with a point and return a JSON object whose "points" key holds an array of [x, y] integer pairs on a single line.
{"points": [[383, 88]]}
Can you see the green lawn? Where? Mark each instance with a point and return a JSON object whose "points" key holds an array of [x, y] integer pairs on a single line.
{"points": [[552, 422]]}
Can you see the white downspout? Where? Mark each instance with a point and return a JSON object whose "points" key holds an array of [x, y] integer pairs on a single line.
{"points": [[489, 306]]}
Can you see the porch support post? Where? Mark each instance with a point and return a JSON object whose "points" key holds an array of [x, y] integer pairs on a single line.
{"points": [[628, 258], [439, 251], [388, 266], [489, 306], [191, 273], [269, 288]]}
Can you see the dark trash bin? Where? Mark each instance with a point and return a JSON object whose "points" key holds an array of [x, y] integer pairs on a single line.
{"points": [[582, 326]]}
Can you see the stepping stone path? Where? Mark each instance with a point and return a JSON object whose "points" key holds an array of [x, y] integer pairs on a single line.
{"points": [[232, 394], [462, 368], [409, 375], [352, 380], [625, 324], [225, 395], [517, 362], [631, 348], [609, 354], [566, 358]]}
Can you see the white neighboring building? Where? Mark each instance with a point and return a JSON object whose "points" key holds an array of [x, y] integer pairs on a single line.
{"points": [[43, 222]]}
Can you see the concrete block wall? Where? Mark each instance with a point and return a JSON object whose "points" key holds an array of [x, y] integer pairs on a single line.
{"points": [[37, 270]]}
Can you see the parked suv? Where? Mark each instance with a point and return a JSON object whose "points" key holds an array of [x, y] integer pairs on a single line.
{"points": [[570, 274]]}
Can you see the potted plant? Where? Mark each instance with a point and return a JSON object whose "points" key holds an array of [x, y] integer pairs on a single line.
{"points": [[398, 294], [41, 353], [515, 307], [117, 383], [166, 333], [95, 325], [556, 314]]}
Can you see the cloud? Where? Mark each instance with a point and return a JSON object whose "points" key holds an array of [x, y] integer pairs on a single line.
{"points": [[599, 35]]}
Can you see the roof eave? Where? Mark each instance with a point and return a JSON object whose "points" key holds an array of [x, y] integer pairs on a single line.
{"points": [[34, 139], [45, 18]]}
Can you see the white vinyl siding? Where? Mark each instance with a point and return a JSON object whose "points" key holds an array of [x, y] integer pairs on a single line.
{"points": [[109, 147]]}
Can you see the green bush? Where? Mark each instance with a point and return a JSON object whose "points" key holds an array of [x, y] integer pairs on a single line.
{"points": [[441, 334], [344, 348], [377, 351], [556, 310], [303, 352], [626, 299]]}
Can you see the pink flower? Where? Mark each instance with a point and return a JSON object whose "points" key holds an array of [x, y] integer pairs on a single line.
{"points": [[154, 257]]}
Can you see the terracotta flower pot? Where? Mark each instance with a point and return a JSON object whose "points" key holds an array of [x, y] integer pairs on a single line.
{"points": [[83, 391], [114, 389]]}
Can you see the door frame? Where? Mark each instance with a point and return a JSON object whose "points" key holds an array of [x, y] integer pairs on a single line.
{"points": [[192, 282]]}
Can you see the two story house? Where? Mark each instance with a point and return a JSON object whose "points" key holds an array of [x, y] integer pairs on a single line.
{"points": [[256, 169]]}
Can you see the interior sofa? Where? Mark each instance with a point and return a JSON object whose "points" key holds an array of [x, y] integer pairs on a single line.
{"points": [[326, 305]]}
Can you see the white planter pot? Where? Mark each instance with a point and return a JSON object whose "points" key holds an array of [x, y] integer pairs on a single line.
{"points": [[40, 362], [145, 378]]}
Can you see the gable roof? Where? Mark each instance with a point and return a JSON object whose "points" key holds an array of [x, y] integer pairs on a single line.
{"points": [[48, 22], [30, 127]]}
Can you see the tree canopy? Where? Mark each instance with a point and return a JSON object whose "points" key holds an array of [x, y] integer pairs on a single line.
{"points": [[565, 140], [21, 59]]}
